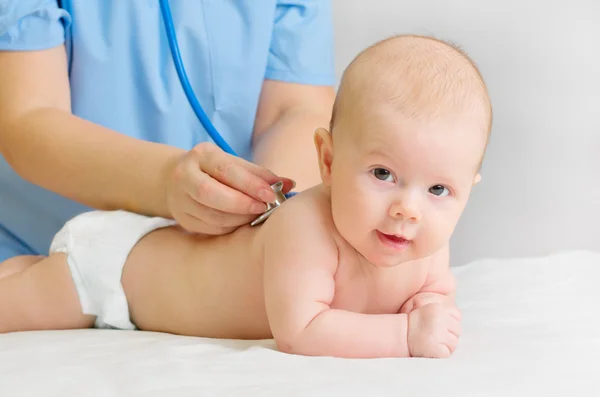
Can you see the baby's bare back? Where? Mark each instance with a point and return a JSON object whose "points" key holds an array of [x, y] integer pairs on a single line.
{"points": [[198, 285]]}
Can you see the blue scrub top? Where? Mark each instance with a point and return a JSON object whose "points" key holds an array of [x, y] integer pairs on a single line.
{"points": [[122, 77]]}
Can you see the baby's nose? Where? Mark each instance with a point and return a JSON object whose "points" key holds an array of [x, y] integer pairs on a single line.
{"points": [[406, 209]]}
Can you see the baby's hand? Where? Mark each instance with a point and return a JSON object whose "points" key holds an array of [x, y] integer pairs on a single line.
{"points": [[421, 299], [433, 330]]}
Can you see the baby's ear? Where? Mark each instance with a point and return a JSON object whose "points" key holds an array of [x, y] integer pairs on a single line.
{"points": [[324, 146], [477, 179]]}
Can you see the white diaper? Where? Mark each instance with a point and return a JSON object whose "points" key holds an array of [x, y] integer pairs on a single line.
{"points": [[97, 244]]}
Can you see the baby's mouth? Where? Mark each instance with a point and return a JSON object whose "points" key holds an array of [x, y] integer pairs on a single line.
{"points": [[394, 241]]}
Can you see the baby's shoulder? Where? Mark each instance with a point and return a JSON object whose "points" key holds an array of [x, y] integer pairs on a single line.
{"points": [[300, 233], [306, 212]]}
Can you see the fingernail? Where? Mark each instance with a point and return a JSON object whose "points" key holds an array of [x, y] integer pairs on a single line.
{"points": [[258, 208], [293, 184], [266, 195]]}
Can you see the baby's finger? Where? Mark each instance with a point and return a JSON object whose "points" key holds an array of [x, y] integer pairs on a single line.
{"points": [[425, 299], [455, 328], [407, 307], [442, 351], [455, 312], [451, 343]]}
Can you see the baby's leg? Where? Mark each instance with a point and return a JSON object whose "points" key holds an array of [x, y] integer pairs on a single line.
{"points": [[41, 296]]}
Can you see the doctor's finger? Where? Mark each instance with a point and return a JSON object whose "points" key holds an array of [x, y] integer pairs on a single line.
{"points": [[214, 194], [213, 217], [267, 175], [196, 225], [230, 171]]}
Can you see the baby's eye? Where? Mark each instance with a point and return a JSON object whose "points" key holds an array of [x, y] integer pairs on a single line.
{"points": [[439, 190], [383, 175]]}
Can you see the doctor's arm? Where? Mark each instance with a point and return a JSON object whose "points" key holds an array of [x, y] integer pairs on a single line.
{"points": [[47, 145], [298, 90], [287, 116]]}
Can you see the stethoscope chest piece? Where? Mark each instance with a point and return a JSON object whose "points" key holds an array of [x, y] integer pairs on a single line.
{"points": [[279, 199]]}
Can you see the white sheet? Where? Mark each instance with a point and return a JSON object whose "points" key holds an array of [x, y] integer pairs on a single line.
{"points": [[531, 328]]}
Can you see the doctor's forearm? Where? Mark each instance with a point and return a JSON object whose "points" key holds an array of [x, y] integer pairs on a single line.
{"points": [[287, 148], [87, 162]]}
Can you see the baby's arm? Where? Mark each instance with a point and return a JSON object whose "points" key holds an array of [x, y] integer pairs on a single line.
{"points": [[300, 263], [439, 286]]}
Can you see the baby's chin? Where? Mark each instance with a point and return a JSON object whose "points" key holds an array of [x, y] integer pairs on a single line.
{"points": [[383, 260]]}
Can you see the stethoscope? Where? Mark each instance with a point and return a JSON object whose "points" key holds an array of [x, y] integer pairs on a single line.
{"points": [[204, 120], [208, 126]]}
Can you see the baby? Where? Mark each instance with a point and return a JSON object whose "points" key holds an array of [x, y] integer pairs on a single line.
{"points": [[355, 267]]}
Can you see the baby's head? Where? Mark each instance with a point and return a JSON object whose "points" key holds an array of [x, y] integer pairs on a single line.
{"points": [[409, 129]]}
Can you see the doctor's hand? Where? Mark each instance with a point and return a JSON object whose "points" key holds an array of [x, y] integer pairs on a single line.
{"points": [[213, 192]]}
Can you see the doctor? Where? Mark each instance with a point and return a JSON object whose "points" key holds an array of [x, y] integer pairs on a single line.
{"points": [[92, 114]]}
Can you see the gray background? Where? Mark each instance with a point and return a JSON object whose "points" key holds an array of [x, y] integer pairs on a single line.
{"points": [[540, 191]]}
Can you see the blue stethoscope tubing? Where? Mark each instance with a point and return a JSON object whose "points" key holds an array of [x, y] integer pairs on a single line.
{"points": [[187, 88], [185, 83], [189, 93]]}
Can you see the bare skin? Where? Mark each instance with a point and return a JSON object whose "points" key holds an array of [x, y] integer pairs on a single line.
{"points": [[184, 284], [357, 266], [195, 285], [86, 162]]}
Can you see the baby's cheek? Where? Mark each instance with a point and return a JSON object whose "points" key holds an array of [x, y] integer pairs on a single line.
{"points": [[353, 218], [435, 235], [342, 210]]}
